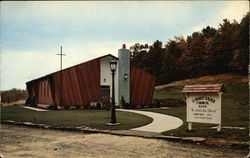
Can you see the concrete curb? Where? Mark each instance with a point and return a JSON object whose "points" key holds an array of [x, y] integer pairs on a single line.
{"points": [[148, 135]]}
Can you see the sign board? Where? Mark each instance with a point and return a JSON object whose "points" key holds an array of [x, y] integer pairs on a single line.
{"points": [[204, 108], [203, 104]]}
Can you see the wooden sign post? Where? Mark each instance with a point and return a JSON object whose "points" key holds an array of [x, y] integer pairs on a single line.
{"points": [[203, 104]]}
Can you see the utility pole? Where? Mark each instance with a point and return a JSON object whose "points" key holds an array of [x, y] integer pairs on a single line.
{"points": [[61, 54]]}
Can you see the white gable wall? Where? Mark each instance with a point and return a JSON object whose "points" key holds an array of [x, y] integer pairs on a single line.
{"points": [[106, 77]]}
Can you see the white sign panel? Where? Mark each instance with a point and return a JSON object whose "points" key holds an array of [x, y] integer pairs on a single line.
{"points": [[204, 108]]}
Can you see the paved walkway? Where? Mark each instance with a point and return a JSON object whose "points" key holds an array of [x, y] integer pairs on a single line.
{"points": [[35, 109], [160, 122]]}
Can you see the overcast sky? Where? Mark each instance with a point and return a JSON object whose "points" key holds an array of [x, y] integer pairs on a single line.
{"points": [[32, 32]]}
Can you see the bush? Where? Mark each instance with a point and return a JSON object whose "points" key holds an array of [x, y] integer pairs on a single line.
{"points": [[13, 95], [125, 105], [52, 107]]}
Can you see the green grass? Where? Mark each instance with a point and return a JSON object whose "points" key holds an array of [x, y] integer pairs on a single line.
{"points": [[235, 112], [74, 118], [169, 93]]}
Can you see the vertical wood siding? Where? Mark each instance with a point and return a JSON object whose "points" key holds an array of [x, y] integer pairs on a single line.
{"points": [[44, 94], [80, 84], [41, 90], [141, 87]]}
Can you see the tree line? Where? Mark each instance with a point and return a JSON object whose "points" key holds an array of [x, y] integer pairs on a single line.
{"points": [[13, 95], [207, 52]]}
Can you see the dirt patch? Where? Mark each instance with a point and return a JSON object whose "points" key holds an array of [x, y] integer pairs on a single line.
{"points": [[230, 141], [19, 141]]}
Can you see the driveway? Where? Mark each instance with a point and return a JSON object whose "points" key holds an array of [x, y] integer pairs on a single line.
{"points": [[160, 122]]}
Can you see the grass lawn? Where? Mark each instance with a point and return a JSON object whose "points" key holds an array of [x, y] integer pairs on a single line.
{"points": [[74, 118], [169, 93], [235, 112]]}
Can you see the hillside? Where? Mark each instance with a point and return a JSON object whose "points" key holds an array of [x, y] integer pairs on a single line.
{"points": [[235, 106], [220, 78]]}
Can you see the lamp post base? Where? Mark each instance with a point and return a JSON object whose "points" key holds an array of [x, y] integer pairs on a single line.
{"points": [[112, 124]]}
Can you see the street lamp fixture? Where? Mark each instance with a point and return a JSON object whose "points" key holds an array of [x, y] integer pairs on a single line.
{"points": [[113, 64]]}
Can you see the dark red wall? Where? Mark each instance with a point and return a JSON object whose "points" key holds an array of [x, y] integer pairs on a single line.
{"points": [[41, 90], [80, 85], [141, 87]]}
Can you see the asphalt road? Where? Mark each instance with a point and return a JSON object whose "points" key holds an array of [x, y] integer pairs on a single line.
{"points": [[18, 141]]}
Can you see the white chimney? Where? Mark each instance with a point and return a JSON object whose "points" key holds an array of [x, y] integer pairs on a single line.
{"points": [[124, 74]]}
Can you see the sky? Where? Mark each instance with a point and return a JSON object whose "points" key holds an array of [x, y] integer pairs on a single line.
{"points": [[31, 33]]}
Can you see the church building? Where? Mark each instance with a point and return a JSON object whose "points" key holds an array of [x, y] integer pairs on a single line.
{"points": [[90, 82]]}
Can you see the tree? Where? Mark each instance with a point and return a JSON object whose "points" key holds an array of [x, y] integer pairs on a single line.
{"points": [[153, 60], [192, 60], [13, 95], [171, 66], [220, 50], [208, 52], [209, 32], [240, 59], [137, 55]]}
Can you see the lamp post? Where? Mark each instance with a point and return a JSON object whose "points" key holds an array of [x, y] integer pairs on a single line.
{"points": [[113, 64]]}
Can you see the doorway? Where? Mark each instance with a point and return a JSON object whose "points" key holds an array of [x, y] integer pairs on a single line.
{"points": [[105, 96]]}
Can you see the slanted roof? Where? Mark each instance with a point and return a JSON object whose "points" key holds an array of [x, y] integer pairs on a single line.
{"points": [[104, 56], [203, 88]]}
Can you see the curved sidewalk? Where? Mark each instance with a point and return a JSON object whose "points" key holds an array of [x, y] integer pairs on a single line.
{"points": [[160, 122]]}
